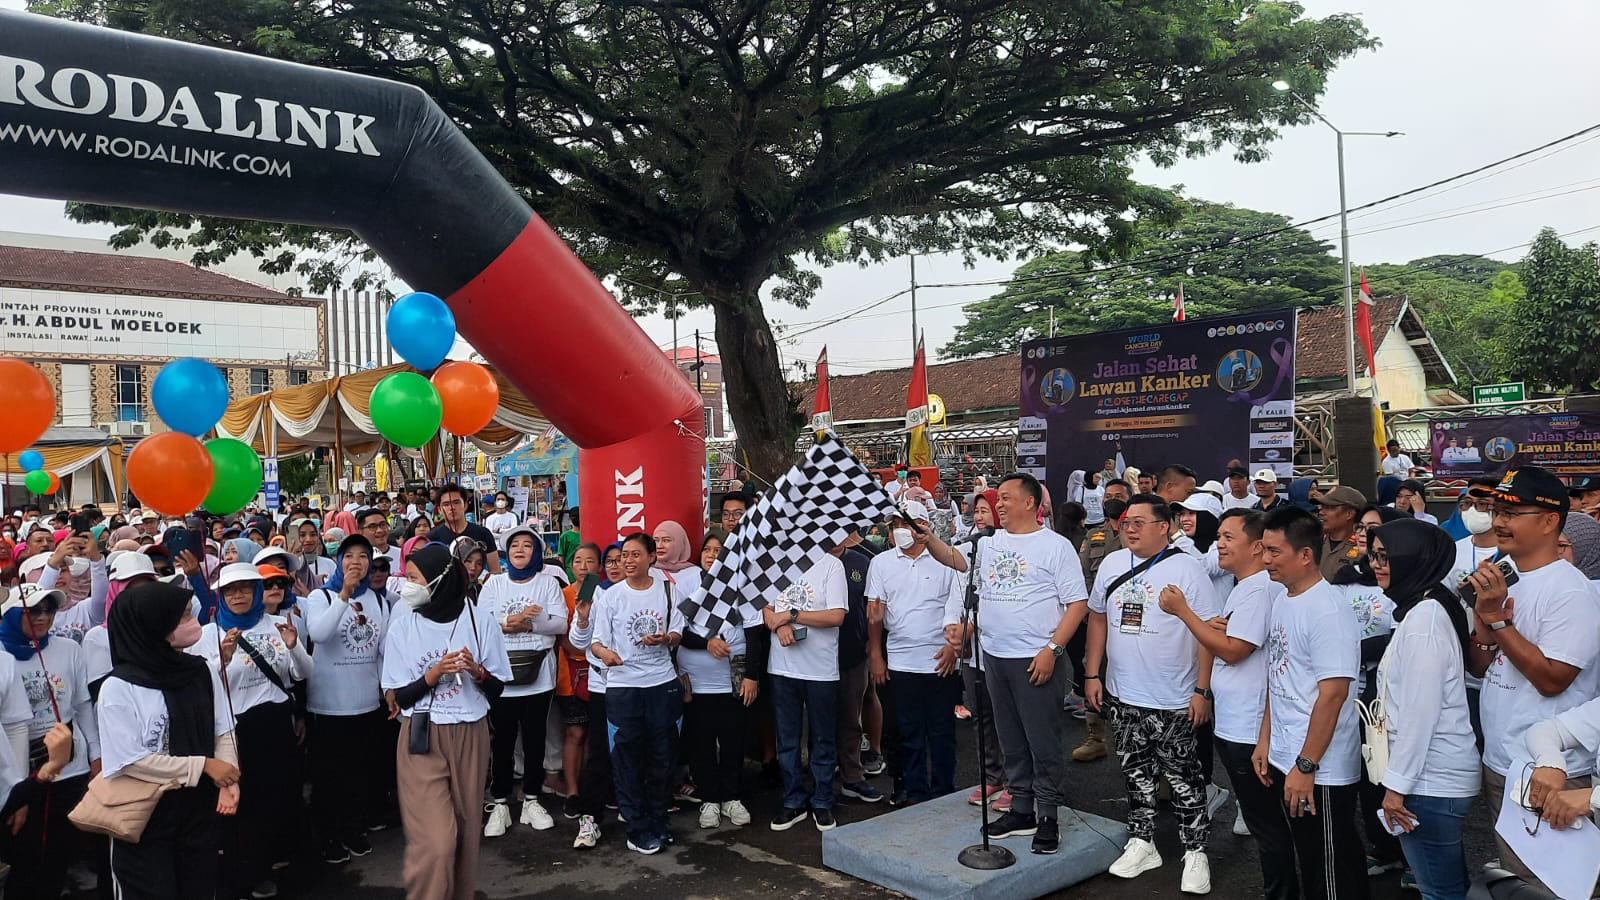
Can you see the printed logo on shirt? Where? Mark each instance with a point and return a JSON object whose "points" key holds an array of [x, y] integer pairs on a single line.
{"points": [[1369, 611], [271, 649], [644, 623], [800, 595], [73, 632], [1007, 569], [1278, 657], [359, 635], [449, 687], [39, 689], [154, 738], [1140, 593]]}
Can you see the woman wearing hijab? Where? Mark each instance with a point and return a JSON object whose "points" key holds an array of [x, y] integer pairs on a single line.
{"points": [[345, 623], [673, 553], [526, 603], [53, 677], [1300, 491], [1434, 768], [442, 664], [984, 516], [596, 790], [1580, 545], [166, 718], [262, 656]]}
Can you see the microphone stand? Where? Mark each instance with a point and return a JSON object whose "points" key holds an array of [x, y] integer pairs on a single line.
{"points": [[981, 855]]}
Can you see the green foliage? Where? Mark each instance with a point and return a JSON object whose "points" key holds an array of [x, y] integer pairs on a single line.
{"points": [[1088, 293], [1557, 338], [296, 474], [1467, 302]]}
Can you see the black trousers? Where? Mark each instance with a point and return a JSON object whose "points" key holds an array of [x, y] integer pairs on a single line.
{"points": [[595, 788], [1263, 812], [644, 726], [269, 793], [345, 764], [926, 731], [713, 738], [507, 716], [40, 853], [1327, 846], [176, 857]]}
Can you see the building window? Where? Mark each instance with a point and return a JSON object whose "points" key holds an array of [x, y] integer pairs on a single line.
{"points": [[710, 421], [130, 394], [299, 376], [260, 381]]}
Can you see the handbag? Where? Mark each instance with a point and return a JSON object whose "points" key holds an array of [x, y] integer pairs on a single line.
{"points": [[526, 665], [119, 807], [1375, 740]]}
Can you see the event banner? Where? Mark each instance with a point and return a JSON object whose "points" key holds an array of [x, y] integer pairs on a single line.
{"points": [[1202, 392], [1565, 443]]}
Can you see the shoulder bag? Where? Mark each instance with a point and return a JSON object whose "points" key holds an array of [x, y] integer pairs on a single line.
{"points": [[1375, 739], [118, 807]]}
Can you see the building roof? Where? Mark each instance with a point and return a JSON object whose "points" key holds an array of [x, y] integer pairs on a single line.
{"points": [[988, 382], [121, 272], [1320, 336], [681, 355]]}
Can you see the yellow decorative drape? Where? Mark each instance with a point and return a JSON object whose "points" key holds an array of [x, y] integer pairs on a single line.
{"points": [[66, 460]]}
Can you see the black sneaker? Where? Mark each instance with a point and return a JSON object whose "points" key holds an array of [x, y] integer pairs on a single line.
{"points": [[872, 763], [897, 794], [1047, 839], [334, 853], [787, 817], [358, 845], [1012, 825], [824, 819], [570, 807]]}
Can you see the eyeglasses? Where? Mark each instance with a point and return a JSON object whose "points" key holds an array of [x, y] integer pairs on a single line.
{"points": [[1379, 558], [1564, 545], [734, 514], [1136, 524], [1522, 801]]}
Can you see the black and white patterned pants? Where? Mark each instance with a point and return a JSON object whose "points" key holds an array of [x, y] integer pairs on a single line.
{"points": [[1160, 743]]}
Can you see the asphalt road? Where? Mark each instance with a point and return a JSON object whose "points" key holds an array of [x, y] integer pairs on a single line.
{"points": [[756, 862]]}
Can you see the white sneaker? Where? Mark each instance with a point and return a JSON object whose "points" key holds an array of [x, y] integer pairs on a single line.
{"points": [[588, 833], [1139, 856], [710, 815], [1239, 827], [736, 813], [499, 818], [534, 814], [1196, 873], [1215, 798]]}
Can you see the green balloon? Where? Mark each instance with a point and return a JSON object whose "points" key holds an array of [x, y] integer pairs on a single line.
{"points": [[38, 481], [406, 409], [236, 478]]}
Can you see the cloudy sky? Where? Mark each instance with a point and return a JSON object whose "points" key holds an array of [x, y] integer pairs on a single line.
{"points": [[1467, 81]]}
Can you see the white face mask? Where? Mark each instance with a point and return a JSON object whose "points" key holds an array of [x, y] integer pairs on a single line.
{"points": [[77, 566], [1476, 520], [499, 504], [415, 595], [903, 538]]}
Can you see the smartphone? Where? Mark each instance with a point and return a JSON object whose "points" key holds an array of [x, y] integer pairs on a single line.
{"points": [[1469, 594], [178, 540], [79, 523], [799, 632], [586, 588]]}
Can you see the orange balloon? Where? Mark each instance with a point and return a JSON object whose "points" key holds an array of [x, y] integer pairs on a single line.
{"points": [[170, 472], [470, 396], [55, 482], [30, 405]]}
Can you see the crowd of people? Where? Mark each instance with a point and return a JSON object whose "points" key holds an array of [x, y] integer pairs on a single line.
{"points": [[482, 680]]}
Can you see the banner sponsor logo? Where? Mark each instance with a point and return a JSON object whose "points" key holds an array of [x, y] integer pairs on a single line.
{"points": [[1565, 443], [630, 513]]}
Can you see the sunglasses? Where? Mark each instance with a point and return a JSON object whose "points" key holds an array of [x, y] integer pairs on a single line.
{"points": [[281, 584]]}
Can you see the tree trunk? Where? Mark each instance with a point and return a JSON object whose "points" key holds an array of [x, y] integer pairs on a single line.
{"points": [[758, 397]]}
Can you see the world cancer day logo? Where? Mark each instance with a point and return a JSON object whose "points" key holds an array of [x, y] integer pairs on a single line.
{"points": [[1006, 570], [799, 595]]}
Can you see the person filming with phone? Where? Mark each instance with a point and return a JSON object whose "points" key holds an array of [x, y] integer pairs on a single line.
{"points": [[1533, 634]]}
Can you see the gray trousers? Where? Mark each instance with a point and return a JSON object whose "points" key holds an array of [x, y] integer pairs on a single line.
{"points": [[1028, 720]]}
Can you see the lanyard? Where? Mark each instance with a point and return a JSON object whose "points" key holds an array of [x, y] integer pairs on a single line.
{"points": [[1132, 564]]}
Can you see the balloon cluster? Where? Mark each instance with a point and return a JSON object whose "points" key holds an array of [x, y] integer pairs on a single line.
{"points": [[408, 409], [173, 472], [30, 408]]}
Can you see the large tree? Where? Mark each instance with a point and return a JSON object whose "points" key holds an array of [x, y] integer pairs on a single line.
{"points": [[1557, 338], [706, 148], [1227, 260]]}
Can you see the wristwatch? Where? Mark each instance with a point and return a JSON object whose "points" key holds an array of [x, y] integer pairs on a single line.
{"points": [[1055, 649], [794, 616], [1496, 626], [1204, 692], [1305, 765]]}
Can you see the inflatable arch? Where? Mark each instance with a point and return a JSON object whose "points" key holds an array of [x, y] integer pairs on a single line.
{"points": [[105, 116]]}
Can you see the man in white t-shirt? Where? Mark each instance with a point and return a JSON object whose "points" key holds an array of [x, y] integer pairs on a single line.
{"points": [[804, 667], [374, 527], [916, 600], [1238, 495], [1307, 747], [1157, 686], [1239, 682], [1535, 643], [1030, 600], [1396, 463]]}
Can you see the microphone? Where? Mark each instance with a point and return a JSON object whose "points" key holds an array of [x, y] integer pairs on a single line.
{"points": [[973, 538]]}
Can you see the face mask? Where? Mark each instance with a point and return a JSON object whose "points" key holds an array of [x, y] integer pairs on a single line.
{"points": [[902, 476], [10, 535], [187, 634], [499, 504], [875, 540], [77, 566], [414, 595], [332, 547], [1476, 520], [903, 538]]}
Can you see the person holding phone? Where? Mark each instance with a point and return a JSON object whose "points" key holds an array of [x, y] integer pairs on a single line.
{"points": [[572, 677]]}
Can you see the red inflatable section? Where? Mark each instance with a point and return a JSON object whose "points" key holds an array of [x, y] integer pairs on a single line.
{"points": [[541, 317]]}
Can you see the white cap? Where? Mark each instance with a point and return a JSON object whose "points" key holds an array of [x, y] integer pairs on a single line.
{"points": [[277, 556], [505, 539], [1265, 475], [233, 573], [1199, 501], [27, 596], [33, 564], [914, 509], [1213, 487], [125, 565]]}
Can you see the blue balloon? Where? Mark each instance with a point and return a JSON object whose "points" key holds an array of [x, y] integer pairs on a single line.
{"points": [[190, 395], [422, 329], [31, 460]]}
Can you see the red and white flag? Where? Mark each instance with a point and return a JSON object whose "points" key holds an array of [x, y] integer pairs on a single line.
{"points": [[1177, 305], [1364, 326], [821, 405]]}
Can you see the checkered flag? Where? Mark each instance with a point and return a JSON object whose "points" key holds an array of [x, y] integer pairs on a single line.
{"points": [[812, 507]]}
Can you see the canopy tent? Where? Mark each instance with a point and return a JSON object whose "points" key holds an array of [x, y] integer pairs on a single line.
{"points": [[73, 452], [335, 414], [551, 453]]}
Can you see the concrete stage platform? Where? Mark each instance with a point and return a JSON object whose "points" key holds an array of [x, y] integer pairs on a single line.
{"points": [[914, 850]]}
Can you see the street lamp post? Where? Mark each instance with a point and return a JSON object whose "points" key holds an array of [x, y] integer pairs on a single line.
{"points": [[1344, 229]]}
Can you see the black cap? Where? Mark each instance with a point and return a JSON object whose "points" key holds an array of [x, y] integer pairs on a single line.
{"points": [[354, 540], [1533, 486], [1239, 471], [1582, 483]]}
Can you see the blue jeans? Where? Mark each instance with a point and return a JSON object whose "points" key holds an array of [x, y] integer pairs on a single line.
{"points": [[1433, 849], [816, 701]]}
